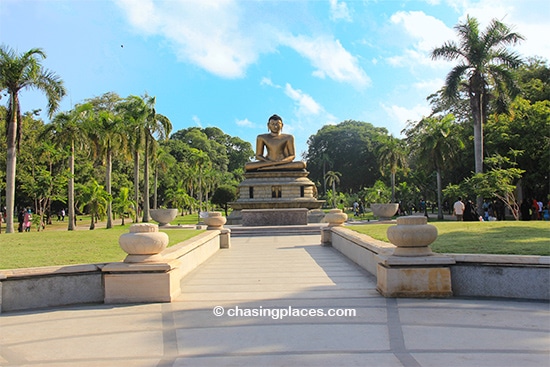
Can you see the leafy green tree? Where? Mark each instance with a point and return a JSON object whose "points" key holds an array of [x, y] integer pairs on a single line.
{"points": [[392, 153], [499, 181], [223, 195], [351, 148], [483, 73], [527, 130], [22, 72]]}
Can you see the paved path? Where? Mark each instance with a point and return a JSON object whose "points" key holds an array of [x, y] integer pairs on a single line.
{"points": [[277, 275]]}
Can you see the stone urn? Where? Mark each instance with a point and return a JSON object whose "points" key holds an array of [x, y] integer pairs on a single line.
{"points": [[335, 217], [384, 211], [214, 220], [412, 235], [163, 216], [144, 243]]}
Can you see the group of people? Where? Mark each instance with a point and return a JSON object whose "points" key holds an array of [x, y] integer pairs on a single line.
{"points": [[358, 208], [530, 209], [467, 211], [24, 218], [533, 209]]}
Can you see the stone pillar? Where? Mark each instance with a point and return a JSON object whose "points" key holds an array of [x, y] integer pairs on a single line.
{"points": [[334, 218], [413, 270], [215, 221], [144, 276]]}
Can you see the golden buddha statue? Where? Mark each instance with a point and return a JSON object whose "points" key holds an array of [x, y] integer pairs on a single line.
{"points": [[280, 149]]}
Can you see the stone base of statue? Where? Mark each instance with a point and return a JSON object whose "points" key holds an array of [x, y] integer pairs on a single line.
{"points": [[278, 191]]}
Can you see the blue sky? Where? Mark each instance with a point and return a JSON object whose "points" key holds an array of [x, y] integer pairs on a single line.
{"points": [[232, 64]]}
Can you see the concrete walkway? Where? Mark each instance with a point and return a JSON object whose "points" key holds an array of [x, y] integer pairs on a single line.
{"points": [[266, 285]]}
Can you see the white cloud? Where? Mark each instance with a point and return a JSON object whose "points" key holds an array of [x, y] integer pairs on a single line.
{"points": [[400, 115], [219, 37], [305, 103], [267, 81], [330, 58], [206, 33], [339, 11], [244, 123], [197, 121], [426, 33]]}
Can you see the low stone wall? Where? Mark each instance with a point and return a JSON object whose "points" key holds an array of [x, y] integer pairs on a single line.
{"points": [[501, 276], [50, 286], [53, 286]]}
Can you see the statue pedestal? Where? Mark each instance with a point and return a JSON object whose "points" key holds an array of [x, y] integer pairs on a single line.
{"points": [[275, 190], [274, 217]]}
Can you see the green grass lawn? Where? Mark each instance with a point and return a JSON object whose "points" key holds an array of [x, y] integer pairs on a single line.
{"points": [[56, 246], [507, 237]]}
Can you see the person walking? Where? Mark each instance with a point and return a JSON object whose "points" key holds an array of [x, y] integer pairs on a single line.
{"points": [[458, 209]]}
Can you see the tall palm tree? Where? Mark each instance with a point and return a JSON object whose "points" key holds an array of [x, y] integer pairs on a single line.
{"points": [[162, 161], [134, 112], [156, 126], [66, 129], [434, 142], [201, 162], [483, 72], [332, 178], [22, 72], [106, 131], [392, 152]]}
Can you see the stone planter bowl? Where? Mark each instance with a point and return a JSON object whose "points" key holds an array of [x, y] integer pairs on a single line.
{"points": [[163, 216], [214, 220], [412, 236], [335, 217], [144, 243], [384, 211]]}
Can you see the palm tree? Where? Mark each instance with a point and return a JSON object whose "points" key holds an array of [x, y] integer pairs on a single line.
{"points": [[200, 161], [106, 131], [156, 126], [392, 152], [162, 160], [67, 129], [483, 72], [96, 198], [22, 72], [123, 204], [435, 141], [332, 178]]}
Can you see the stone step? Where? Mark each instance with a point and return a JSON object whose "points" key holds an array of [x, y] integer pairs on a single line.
{"points": [[255, 231]]}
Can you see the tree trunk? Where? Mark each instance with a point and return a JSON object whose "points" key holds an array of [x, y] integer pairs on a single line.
{"points": [[393, 187], [439, 195], [108, 186], [71, 190], [155, 190], [146, 217], [136, 185], [11, 163], [476, 104]]}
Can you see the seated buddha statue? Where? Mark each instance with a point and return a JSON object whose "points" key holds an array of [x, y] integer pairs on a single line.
{"points": [[280, 149]]}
